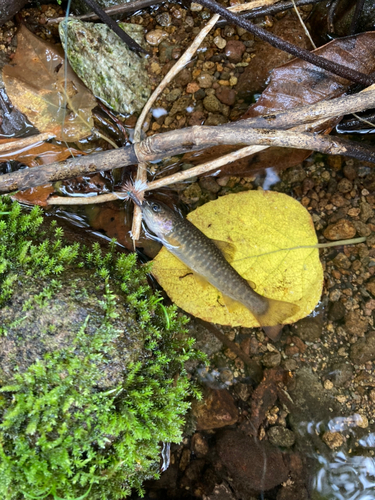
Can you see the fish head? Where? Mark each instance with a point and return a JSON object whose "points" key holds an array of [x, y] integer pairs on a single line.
{"points": [[159, 218]]}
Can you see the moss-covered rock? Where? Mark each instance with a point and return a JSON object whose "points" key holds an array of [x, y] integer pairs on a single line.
{"points": [[91, 367]]}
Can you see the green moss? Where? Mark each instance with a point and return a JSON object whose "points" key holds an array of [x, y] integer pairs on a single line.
{"points": [[63, 432]]}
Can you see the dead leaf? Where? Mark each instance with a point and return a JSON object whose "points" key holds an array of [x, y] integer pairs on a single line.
{"points": [[35, 83], [260, 224], [266, 58], [296, 84]]}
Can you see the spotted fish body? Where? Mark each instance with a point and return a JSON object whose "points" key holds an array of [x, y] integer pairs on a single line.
{"points": [[201, 255]]}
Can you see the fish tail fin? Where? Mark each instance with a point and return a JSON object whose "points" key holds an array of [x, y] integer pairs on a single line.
{"points": [[277, 313]]}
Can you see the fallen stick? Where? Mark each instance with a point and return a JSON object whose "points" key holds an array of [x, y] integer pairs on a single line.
{"points": [[191, 139]]}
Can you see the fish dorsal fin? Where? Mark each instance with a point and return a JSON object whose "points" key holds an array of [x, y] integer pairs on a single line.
{"points": [[226, 248]]}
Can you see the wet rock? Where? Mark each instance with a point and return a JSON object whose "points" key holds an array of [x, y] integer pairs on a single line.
{"points": [[183, 77], [333, 439], [370, 286], [350, 171], [336, 311], [195, 7], [366, 211], [199, 94], [217, 410], [293, 492], [192, 193], [164, 19], [221, 492], [361, 228], [210, 184], [312, 403], [196, 118], [338, 201], [344, 186], [226, 95], [254, 466], [199, 445], [341, 230], [173, 95], [10, 7], [205, 80], [309, 329], [363, 350], [280, 436], [271, 359], [192, 88], [180, 105], [155, 37], [212, 104], [216, 119], [294, 174], [341, 261], [220, 42], [234, 50], [355, 323], [192, 473], [340, 374], [371, 240]]}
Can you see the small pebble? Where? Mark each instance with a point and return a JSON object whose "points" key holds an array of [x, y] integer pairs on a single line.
{"points": [[341, 230], [219, 42], [205, 80], [155, 37], [196, 7], [333, 439]]}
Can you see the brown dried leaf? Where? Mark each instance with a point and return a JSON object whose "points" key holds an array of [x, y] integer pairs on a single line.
{"points": [[299, 83], [35, 83]]}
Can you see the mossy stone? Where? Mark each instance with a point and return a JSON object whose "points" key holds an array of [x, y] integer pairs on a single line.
{"points": [[92, 376]]}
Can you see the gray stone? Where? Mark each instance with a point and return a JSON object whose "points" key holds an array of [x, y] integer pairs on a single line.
{"points": [[363, 350], [309, 329], [280, 436]]}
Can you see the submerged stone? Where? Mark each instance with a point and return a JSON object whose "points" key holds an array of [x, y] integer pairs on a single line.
{"points": [[114, 73]]}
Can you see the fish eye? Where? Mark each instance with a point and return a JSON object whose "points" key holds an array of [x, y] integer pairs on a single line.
{"points": [[155, 207]]}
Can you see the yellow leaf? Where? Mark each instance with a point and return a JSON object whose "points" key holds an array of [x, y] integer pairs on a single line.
{"points": [[35, 83], [264, 227]]}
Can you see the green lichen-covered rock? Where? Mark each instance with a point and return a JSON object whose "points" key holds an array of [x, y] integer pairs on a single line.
{"points": [[91, 367], [112, 71]]}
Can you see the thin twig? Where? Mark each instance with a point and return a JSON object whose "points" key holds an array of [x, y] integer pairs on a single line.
{"points": [[271, 10], [33, 140], [303, 25], [275, 41], [103, 16], [204, 168], [191, 139], [111, 11]]}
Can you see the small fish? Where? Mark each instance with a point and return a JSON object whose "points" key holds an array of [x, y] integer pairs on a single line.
{"points": [[203, 257]]}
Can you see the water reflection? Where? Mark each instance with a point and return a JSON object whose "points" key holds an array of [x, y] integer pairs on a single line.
{"points": [[343, 477]]}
